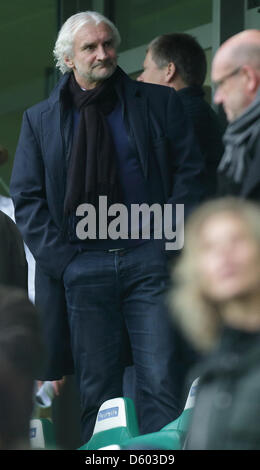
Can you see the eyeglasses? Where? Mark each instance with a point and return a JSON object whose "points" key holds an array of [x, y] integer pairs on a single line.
{"points": [[221, 82]]}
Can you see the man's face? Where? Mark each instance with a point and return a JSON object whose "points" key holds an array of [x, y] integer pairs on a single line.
{"points": [[230, 89], [151, 72], [94, 55]]}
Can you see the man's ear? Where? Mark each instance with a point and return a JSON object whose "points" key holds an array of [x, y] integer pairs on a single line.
{"points": [[252, 78], [170, 72], [69, 62]]}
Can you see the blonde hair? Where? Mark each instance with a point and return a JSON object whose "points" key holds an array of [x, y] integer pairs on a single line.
{"points": [[197, 315]]}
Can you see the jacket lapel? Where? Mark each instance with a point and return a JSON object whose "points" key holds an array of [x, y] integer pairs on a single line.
{"points": [[56, 122]]}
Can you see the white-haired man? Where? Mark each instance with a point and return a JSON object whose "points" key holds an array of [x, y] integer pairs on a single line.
{"points": [[236, 75], [102, 134]]}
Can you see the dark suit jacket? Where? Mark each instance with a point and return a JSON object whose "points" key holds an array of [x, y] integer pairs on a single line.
{"points": [[208, 130], [156, 123], [251, 184]]}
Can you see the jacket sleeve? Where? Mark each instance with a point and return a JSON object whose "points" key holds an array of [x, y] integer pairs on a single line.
{"points": [[186, 174], [186, 160], [40, 233]]}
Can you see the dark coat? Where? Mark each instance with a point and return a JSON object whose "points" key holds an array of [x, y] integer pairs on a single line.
{"points": [[208, 130], [156, 123], [13, 264], [227, 406], [250, 187]]}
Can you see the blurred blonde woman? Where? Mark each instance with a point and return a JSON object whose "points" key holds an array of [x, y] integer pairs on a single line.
{"points": [[216, 300]]}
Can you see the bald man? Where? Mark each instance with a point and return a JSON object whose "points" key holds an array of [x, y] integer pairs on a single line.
{"points": [[236, 77]]}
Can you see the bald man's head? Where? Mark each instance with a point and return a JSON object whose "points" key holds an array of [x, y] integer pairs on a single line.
{"points": [[236, 72]]}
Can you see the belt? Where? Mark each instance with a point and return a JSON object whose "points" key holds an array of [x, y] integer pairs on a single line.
{"points": [[115, 249]]}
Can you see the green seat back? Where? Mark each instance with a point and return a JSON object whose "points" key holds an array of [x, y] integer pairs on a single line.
{"points": [[166, 440], [42, 434], [116, 422]]}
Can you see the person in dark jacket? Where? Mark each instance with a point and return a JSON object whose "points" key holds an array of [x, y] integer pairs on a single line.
{"points": [[139, 149], [236, 77], [13, 264], [178, 61], [21, 357], [219, 275]]}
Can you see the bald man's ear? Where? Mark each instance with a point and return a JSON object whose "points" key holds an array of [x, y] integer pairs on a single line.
{"points": [[253, 78], [170, 72]]}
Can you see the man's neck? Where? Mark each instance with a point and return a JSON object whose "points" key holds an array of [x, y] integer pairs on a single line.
{"points": [[87, 86], [177, 83]]}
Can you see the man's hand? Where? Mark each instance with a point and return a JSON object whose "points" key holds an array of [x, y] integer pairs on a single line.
{"points": [[57, 385]]}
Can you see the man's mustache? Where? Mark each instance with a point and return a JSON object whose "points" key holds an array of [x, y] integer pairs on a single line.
{"points": [[104, 63]]}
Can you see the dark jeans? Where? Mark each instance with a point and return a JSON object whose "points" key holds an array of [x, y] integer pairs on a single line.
{"points": [[104, 292]]}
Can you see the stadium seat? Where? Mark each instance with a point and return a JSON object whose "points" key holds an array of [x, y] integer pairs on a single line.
{"points": [[42, 434], [116, 427]]}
